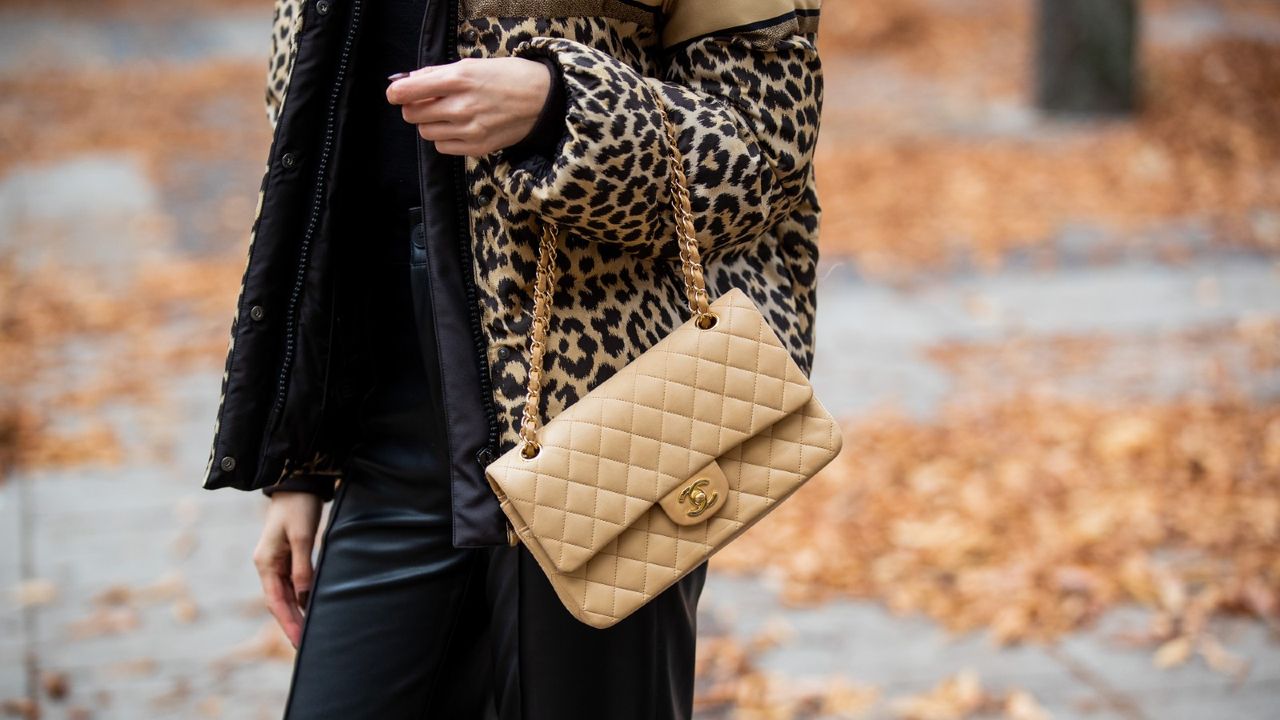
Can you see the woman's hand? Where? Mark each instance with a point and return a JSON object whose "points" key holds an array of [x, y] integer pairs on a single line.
{"points": [[474, 106], [283, 557]]}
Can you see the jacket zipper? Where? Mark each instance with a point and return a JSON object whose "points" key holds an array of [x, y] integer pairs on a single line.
{"points": [[304, 250], [468, 262]]}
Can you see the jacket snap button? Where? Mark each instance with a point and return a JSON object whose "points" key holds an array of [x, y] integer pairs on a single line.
{"points": [[322, 7], [228, 463], [289, 160], [504, 353], [469, 35], [257, 312], [483, 198], [484, 456]]}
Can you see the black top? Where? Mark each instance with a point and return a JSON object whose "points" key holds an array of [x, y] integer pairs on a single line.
{"points": [[397, 425]]}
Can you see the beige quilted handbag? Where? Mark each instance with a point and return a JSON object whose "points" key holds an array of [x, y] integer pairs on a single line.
{"points": [[672, 457]]}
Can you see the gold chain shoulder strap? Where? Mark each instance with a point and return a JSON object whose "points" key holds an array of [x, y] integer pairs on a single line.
{"points": [[544, 283]]}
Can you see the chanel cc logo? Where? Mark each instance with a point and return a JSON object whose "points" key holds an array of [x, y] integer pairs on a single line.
{"points": [[698, 498]]}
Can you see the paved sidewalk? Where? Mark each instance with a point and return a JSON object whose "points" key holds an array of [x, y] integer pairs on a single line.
{"points": [[134, 586], [155, 610], [1090, 675]]}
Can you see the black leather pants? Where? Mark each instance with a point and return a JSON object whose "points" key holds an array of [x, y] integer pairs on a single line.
{"points": [[401, 624]]}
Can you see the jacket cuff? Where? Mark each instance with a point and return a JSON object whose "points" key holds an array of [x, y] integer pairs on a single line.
{"points": [[320, 485], [549, 129]]}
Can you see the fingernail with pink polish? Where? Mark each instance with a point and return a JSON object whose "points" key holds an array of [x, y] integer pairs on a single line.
{"points": [[397, 76]]}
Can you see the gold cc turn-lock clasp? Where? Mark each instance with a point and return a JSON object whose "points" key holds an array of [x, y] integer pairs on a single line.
{"points": [[701, 496], [697, 496]]}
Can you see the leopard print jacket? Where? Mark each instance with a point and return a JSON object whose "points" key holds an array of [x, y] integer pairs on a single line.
{"points": [[742, 82]]}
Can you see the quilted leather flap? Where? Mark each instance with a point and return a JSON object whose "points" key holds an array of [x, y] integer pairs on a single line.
{"points": [[608, 458]]}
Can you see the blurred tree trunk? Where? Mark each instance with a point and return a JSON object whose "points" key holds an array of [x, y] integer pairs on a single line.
{"points": [[1086, 56]]}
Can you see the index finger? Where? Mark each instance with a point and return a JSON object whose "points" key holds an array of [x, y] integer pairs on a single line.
{"points": [[428, 82], [286, 613]]}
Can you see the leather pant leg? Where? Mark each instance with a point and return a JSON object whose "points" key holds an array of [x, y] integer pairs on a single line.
{"points": [[397, 624]]}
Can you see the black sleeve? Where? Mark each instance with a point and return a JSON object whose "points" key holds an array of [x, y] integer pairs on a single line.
{"points": [[549, 129], [322, 486]]}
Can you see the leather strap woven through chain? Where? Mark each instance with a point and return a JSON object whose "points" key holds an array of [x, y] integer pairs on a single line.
{"points": [[544, 282]]}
